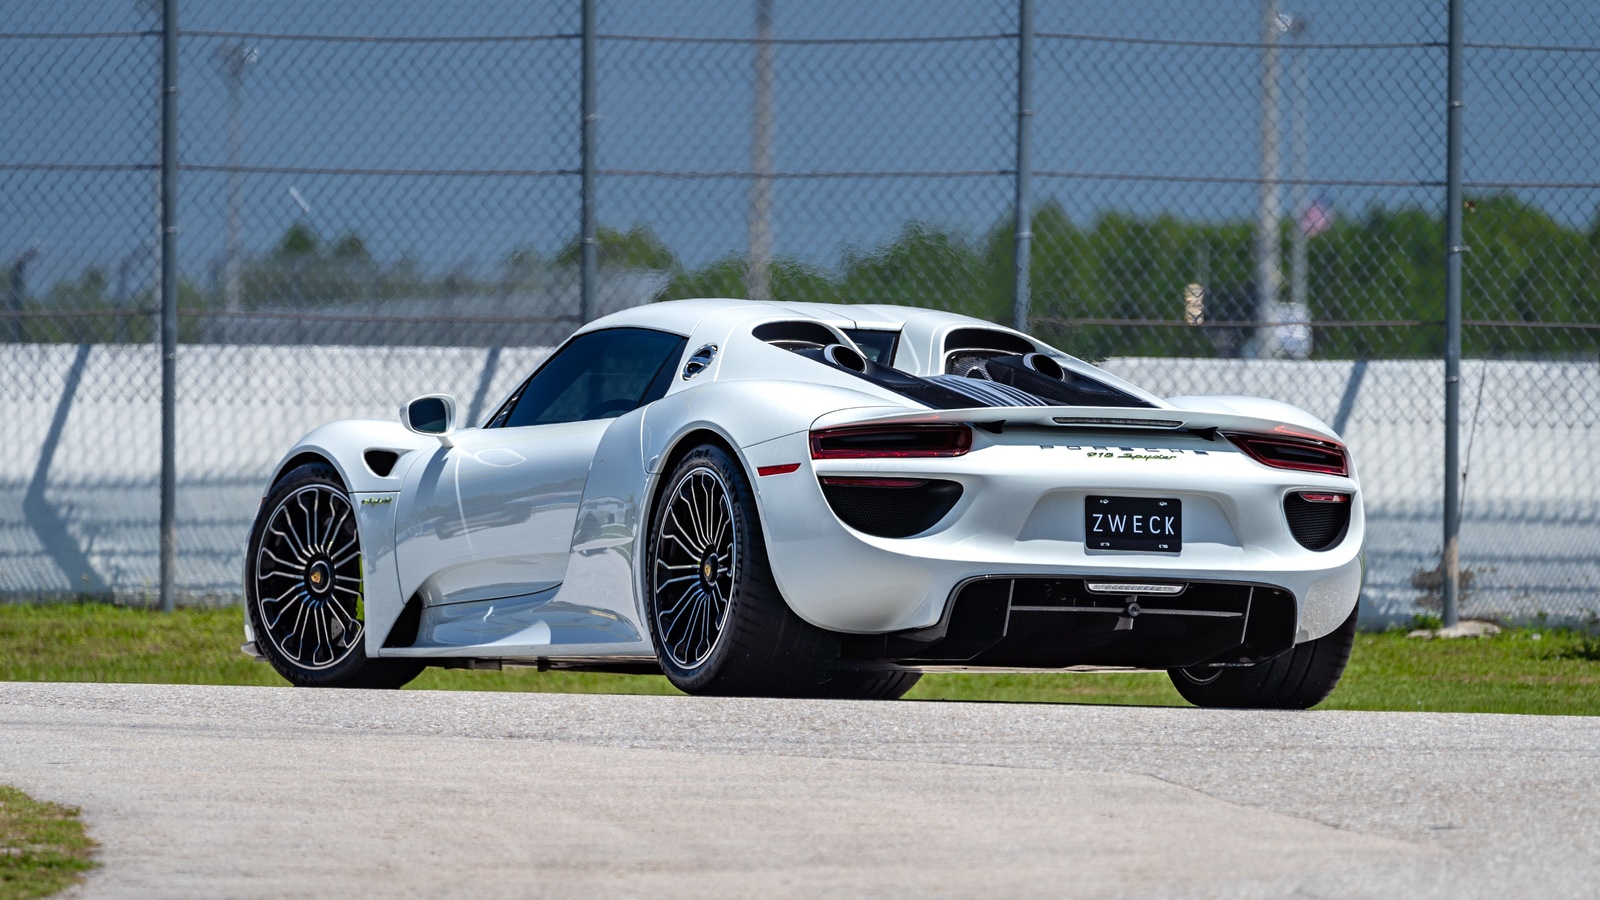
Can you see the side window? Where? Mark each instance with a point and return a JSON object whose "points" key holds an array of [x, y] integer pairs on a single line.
{"points": [[595, 376]]}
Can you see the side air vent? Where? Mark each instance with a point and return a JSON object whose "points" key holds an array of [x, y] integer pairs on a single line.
{"points": [[1318, 521], [381, 462], [890, 507], [404, 632]]}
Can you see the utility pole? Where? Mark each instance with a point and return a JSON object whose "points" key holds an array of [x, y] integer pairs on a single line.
{"points": [[1297, 27], [235, 59], [758, 279], [1268, 253]]}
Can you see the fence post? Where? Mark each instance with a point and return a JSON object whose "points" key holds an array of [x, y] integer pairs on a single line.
{"points": [[169, 301], [1024, 182], [1454, 247], [589, 271]]}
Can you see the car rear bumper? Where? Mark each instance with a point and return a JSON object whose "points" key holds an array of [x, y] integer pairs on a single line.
{"points": [[1018, 518], [1034, 622]]}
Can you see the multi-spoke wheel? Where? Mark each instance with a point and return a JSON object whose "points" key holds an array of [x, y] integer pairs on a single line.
{"points": [[304, 582], [719, 624], [694, 567]]}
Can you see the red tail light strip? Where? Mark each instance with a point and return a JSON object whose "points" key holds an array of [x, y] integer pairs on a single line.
{"points": [[891, 442], [784, 469], [1297, 454]]}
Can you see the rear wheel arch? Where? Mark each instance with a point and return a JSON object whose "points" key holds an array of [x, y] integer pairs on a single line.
{"points": [[655, 486]]}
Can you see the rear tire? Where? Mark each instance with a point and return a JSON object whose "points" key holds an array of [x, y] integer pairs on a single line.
{"points": [[1298, 679], [871, 685], [304, 586], [718, 622]]}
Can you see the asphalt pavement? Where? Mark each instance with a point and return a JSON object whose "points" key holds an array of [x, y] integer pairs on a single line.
{"points": [[267, 792]]}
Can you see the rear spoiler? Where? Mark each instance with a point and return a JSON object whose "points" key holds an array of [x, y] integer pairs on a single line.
{"points": [[1078, 418]]}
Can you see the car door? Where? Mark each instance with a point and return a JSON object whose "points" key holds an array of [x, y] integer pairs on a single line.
{"points": [[493, 516]]}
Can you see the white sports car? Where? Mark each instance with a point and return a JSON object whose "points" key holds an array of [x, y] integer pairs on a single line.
{"points": [[803, 500]]}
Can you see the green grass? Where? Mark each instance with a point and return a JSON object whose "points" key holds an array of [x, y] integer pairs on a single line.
{"points": [[1547, 671], [43, 847]]}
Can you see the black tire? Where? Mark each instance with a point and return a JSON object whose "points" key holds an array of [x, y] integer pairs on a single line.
{"points": [[870, 685], [303, 586], [1298, 679], [719, 624]]}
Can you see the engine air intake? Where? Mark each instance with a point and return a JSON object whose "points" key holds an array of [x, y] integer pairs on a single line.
{"points": [[890, 507], [1317, 520]]}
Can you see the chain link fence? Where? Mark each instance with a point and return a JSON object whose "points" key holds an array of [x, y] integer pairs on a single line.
{"points": [[383, 199]]}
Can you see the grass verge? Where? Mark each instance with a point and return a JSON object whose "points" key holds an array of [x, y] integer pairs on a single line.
{"points": [[1543, 671], [43, 847]]}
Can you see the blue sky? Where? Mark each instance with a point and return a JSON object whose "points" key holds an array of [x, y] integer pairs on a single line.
{"points": [[1115, 102]]}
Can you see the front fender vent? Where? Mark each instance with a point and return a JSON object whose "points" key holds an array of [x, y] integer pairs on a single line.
{"points": [[890, 507], [381, 462]]}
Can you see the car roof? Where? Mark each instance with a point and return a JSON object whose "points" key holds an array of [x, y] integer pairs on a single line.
{"points": [[685, 316]]}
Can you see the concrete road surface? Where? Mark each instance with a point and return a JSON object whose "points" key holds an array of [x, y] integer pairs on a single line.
{"points": [[263, 792]]}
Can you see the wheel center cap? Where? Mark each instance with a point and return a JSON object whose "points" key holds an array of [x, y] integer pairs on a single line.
{"points": [[320, 577], [708, 568]]}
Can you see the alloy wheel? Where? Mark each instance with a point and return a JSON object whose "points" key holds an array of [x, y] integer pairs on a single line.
{"points": [[696, 563], [308, 578]]}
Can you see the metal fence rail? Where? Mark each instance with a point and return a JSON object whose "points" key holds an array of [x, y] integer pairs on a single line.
{"points": [[1249, 196]]}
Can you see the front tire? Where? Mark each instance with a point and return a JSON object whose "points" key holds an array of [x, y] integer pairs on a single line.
{"points": [[719, 624], [303, 586], [1298, 679]]}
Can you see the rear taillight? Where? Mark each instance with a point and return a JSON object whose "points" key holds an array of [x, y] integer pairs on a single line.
{"points": [[897, 442], [1301, 454]]}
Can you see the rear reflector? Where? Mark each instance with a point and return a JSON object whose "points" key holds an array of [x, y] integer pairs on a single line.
{"points": [[893, 442], [784, 469], [1294, 453]]}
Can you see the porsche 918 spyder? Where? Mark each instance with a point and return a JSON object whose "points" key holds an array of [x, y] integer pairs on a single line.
{"points": [[789, 499]]}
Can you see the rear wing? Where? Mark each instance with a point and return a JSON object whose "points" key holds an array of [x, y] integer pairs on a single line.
{"points": [[1079, 418]]}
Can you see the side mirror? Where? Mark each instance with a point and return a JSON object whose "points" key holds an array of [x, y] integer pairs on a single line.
{"points": [[431, 414]]}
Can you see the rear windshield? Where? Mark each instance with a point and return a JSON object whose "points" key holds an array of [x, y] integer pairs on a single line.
{"points": [[877, 346]]}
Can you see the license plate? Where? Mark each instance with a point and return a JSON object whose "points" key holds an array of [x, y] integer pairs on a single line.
{"points": [[1133, 523]]}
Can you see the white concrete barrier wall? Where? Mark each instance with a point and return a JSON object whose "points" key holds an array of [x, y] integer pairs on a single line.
{"points": [[79, 501]]}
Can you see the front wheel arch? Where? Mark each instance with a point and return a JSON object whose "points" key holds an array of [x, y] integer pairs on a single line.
{"points": [[306, 552], [305, 458]]}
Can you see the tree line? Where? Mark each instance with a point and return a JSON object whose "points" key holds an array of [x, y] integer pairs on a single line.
{"points": [[1113, 286]]}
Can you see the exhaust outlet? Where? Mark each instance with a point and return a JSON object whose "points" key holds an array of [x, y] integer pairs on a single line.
{"points": [[1044, 365]]}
